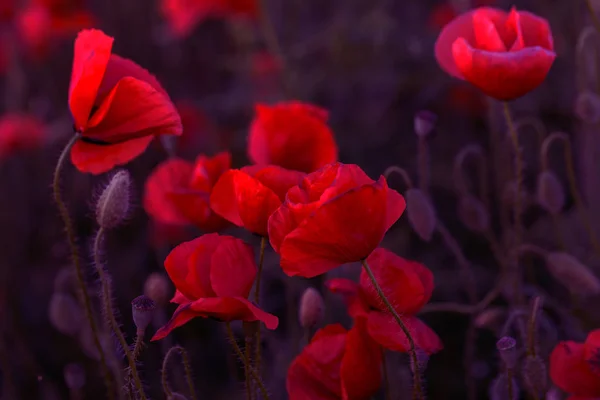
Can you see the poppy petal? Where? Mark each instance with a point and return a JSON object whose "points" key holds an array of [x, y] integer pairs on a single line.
{"points": [[570, 372], [181, 316], [181, 263], [233, 309], [487, 36], [97, 159], [233, 269], [592, 351], [119, 68], [384, 329]]}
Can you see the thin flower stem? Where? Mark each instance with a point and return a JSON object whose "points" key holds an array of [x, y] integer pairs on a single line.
{"points": [[532, 326], [257, 339], [418, 391], [185, 360], [247, 351], [247, 366], [139, 344], [272, 42], [386, 377], [110, 315], [593, 16], [77, 265], [509, 383]]}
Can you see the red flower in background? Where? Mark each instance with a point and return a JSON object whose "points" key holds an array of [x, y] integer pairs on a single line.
{"points": [[505, 55], [334, 216], [184, 15], [177, 191], [19, 132], [213, 276], [292, 135], [408, 285], [575, 367], [7, 10], [336, 364], [247, 197], [118, 107]]}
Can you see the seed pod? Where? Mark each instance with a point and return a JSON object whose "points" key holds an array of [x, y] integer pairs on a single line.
{"points": [[421, 213], [157, 288], [499, 388], [74, 376], [587, 107], [550, 193], [142, 308], [114, 202], [65, 314], [473, 214], [312, 308], [507, 348], [424, 123], [535, 376], [577, 277]]}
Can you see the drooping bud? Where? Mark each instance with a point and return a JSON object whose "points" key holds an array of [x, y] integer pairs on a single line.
{"points": [[74, 376], [157, 288], [587, 107], [577, 277], [473, 214], [507, 348], [312, 308], [424, 123], [535, 376], [65, 313], [421, 213], [550, 193], [142, 309], [114, 202]]}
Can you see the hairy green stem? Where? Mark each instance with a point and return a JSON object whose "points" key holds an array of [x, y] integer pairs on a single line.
{"points": [[77, 264], [110, 315], [185, 360], [418, 390], [139, 344]]}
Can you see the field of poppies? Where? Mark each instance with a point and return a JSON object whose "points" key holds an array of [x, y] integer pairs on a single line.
{"points": [[303, 200]]}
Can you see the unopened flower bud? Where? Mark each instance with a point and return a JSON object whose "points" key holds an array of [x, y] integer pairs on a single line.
{"points": [[577, 277], [421, 213], [157, 288], [424, 123], [473, 214], [312, 308], [114, 202], [550, 194], [587, 107], [65, 313], [142, 308], [507, 348], [535, 376], [74, 376]]}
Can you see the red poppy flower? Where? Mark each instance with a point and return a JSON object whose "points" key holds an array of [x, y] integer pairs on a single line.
{"points": [[19, 132], [184, 15], [292, 135], [336, 364], [7, 9], [177, 191], [118, 106], [247, 197], [213, 275], [571, 369], [591, 348], [334, 216], [504, 55], [407, 284]]}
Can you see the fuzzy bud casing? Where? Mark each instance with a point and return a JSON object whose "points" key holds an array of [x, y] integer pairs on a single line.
{"points": [[550, 193], [424, 123], [421, 213], [507, 348], [157, 287], [74, 376], [142, 309], [114, 202], [312, 308], [576, 276], [473, 214]]}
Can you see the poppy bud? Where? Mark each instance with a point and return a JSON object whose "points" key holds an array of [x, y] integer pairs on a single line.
{"points": [[113, 204], [312, 308], [142, 308], [65, 313], [424, 123], [550, 193], [535, 376], [573, 274], [499, 388], [473, 214], [507, 348], [74, 376], [157, 288], [587, 107], [421, 213]]}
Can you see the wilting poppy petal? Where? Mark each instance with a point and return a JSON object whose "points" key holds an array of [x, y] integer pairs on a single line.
{"points": [[181, 316], [119, 68], [92, 51], [571, 372], [384, 329], [233, 269], [97, 159], [133, 109]]}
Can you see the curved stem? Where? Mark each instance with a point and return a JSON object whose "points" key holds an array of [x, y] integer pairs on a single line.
{"points": [[400, 171], [244, 360], [110, 315], [593, 16], [77, 264], [185, 360], [418, 390], [532, 326], [139, 344], [261, 259], [477, 151]]}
